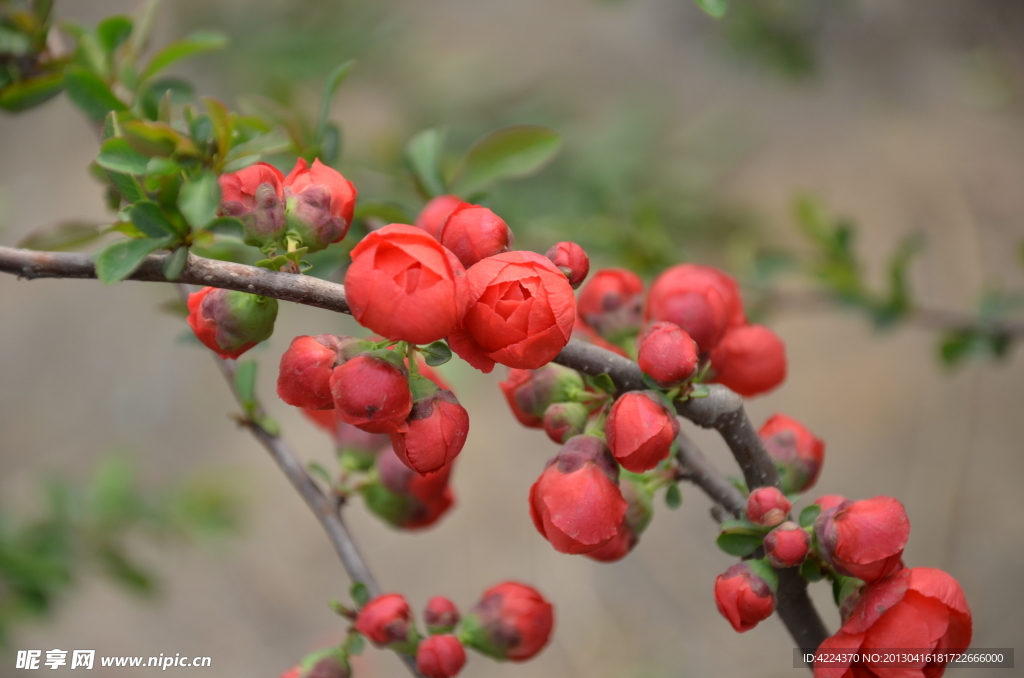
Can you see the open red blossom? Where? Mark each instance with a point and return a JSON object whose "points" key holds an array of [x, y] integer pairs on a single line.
{"points": [[611, 301], [530, 392], [256, 196], [473, 233], [798, 455], [433, 215], [371, 393], [405, 286], [440, 615], [512, 621], [405, 499], [787, 545], [750, 360], [229, 323], [744, 597], [434, 433], [863, 539], [919, 610], [320, 204], [304, 376], [572, 260], [667, 354], [385, 620], [521, 312], [440, 657], [576, 503], [640, 430], [767, 506]]}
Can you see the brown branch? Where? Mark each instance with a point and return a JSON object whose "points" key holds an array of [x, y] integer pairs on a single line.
{"points": [[700, 472], [721, 410]]}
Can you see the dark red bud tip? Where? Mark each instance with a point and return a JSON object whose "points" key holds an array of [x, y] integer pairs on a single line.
{"points": [[767, 506], [385, 620], [441, 615], [571, 260]]}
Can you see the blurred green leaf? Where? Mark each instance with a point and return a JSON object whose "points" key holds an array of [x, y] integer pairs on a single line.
{"points": [[507, 153], [25, 94], [175, 263], [809, 514], [360, 594], [118, 156], [245, 385], [120, 258], [331, 86], [740, 545], [386, 212], [113, 32], [90, 93], [220, 118], [126, 185], [150, 219], [716, 8], [69, 235], [423, 153], [673, 496], [199, 199], [156, 139], [197, 43]]}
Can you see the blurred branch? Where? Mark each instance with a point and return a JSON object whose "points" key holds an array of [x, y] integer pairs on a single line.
{"points": [[698, 470]]}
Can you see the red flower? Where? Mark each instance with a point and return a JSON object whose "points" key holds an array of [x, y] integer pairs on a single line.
{"points": [[917, 610], [640, 430], [512, 621], [530, 392], [320, 204], [610, 302], [743, 595], [304, 375], [404, 498], [434, 433], [669, 297], [565, 420], [767, 506], [229, 323], [473, 233], [787, 545], [256, 196], [797, 453], [863, 539], [371, 393], [433, 215], [441, 615], [440, 657], [667, 354], [385, 620], [638, 516], [520, 314], [405, 286], [570, 259], [576, 503], [750, 360]]}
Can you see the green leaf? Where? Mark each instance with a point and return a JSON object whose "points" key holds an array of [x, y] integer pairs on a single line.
{"points": [[175, 263], [153, 138], [66, 236], [602, 382], [245, 385], [199, 199], [436, 353], [229, 226], [811, 570], [423, 152], [740, 545], [673, 497], [843, 587], [118, 156], [191, 45], [355, 644], [113, 31], [334, 81], [360, 594], [220, 117], [25, 94], [150, 97], [119, 259], [148, 218], [808, 515], [743, 526], [716, 8], [276, 141], [507, 153], [126, 185], [763, 569], [90, 93]]}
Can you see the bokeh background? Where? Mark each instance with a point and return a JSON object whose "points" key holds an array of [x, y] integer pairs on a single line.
{"points": [[685, 139]]}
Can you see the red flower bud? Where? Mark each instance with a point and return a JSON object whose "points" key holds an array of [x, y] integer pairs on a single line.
{"points": [[576, 503], [473, 233], [405, 286], [520, 314], [320, 204], [404, 498], [565, 420], [434, 433], [386, 620], [440, 657], [675, 297], [441, 615], [530, 392], [797, 453], [744, 596], [304, 376], [256, 196], [830, 501], [512, 621], [229, 323], [638, 516], [750, 360], [767, 506], [787, 545], [571, 260], [667, 354], [640, 430], [610, 302], [433, 215], [346, 436], [371, 393], [863, 539], [920, 610]]}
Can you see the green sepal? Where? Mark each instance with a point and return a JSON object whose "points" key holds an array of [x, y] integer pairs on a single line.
{"points": [[436, 353], [763, 569], [473, 635], [810, 570], [673, 496], [422, 387]]}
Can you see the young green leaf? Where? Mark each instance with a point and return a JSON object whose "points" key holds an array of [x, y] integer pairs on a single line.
{"points": [[507, 153], [673, 496], [199, 199], [87, 91], [126, 185], [740, 545], [191, 45], [245, 385], [119, 259], [715, 8], [436, 353], [113, 31], [175, 263], [220, 117], [148, 218], [423, 153], [809, 514], [334, 81], [360, 594], [117, 155], [69, 235]]}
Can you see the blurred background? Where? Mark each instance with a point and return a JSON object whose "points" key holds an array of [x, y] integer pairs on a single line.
{"points": [[685, 139]]}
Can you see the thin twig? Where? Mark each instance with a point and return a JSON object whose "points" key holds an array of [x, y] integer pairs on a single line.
{"points": [[703, 474]]}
